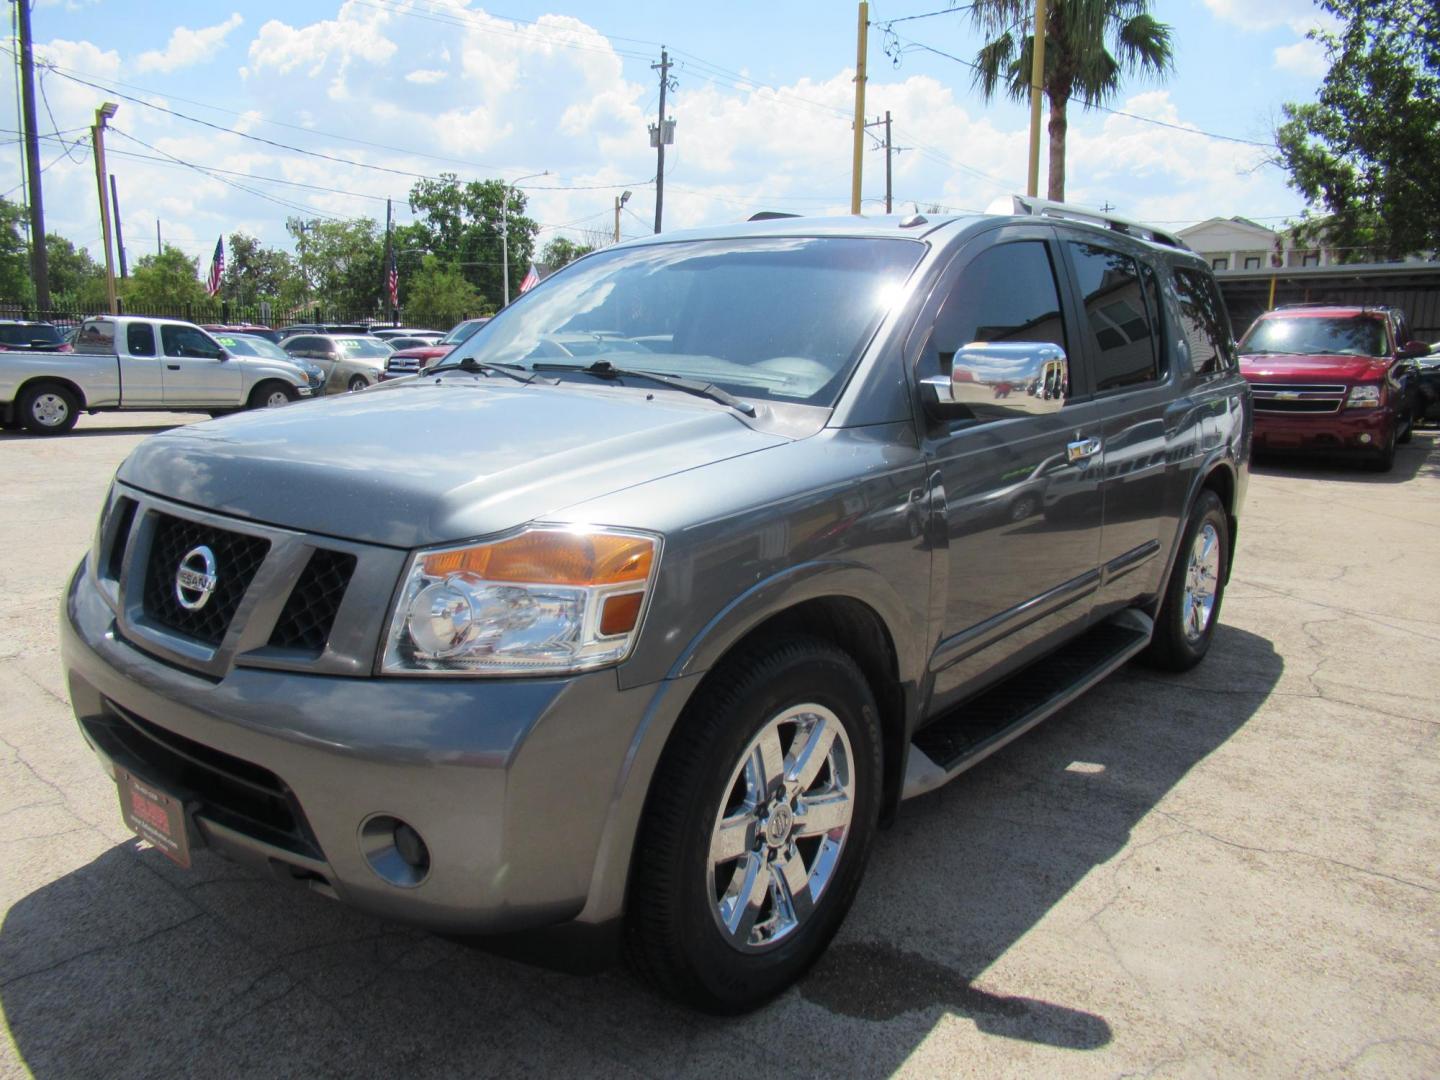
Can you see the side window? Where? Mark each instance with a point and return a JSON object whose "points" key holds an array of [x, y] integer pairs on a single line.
{"points": [[1204, 324], [1115, 309], [186, 341], [140, 339], [96, 337], [1007, 293]]}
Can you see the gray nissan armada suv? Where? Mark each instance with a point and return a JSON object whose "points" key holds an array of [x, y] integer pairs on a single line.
{"points": [[639, 614]]}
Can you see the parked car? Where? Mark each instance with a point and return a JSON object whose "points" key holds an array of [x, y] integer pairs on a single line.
{"points": [[1428, 386], [400, 343], [389, 333], [129, 362], [650, 652], [1333, 379], [324, 328], [25, 336], [417, 358], [350, 361], [252, 329], [255, 345]]}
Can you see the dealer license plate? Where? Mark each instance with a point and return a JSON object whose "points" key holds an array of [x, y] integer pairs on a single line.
{"points": [[154, 815]]}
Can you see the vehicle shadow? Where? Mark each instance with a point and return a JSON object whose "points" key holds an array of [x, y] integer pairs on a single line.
{"points": [[1419, 457], [130, 965], [80, 431]]}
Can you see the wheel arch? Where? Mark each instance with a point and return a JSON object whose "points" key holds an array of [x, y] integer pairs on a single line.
{"points": [[50, 380]]}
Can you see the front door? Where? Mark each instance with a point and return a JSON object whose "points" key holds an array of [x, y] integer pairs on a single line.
{"points": [[196, 372], [1020, 495]]}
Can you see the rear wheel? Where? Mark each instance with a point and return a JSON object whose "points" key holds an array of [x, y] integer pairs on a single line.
{"points": [[48, 409], [1190, 609], [758, 826]]}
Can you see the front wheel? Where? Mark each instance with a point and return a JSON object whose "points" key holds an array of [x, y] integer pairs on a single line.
{"points": [[758, 826], [1190, 609], [48, 409], [357, 382], [1383, 460], [271, 395]]}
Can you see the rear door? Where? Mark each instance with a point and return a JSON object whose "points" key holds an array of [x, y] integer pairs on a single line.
{"points": [[196, 371], [1017, 568], [141, 382]]}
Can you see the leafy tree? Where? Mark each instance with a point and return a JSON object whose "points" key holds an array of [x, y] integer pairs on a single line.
{"points": [[1367, 148], [15, 283], [341, 262], [461, 224], [1089, 45], [439, 296], [163, 284], [73, 273], [561, 252], [254, 272]]}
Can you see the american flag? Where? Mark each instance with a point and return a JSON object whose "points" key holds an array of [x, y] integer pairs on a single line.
{"points": [[392, 281], [531, 280], [217, 268]]}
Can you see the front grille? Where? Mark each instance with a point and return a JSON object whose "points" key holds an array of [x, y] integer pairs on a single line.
{"points": [[402, 366], [232, 792], [237, 558], [309, 612], [1299, 397], [124, 513]]}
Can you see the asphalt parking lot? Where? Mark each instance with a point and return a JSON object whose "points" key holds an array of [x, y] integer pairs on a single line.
{"points": [[1232, 872]]}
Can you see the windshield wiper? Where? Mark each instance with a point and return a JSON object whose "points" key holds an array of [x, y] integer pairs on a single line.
{"points": [[469, 363], [605, 370]]}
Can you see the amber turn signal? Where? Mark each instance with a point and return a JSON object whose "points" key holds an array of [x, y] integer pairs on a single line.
{"points": [[552, 557]]}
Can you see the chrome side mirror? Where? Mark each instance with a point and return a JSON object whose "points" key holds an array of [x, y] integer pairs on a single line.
{"points": [[999, 380]]}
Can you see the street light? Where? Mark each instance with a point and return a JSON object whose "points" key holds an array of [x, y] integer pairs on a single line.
{"points": [[505, 231], [621, 201]]}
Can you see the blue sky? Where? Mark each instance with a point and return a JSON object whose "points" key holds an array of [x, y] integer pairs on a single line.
{"points": [[762, 106]]}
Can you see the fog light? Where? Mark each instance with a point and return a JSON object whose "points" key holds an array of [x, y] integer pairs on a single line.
{"points": [[394, 850], [1365, 437]]}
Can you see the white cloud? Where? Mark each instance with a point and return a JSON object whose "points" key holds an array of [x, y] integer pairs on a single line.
{"points": [[1298, 15], [425, 76], [1302, 58], [187, 47], [354, 34]]}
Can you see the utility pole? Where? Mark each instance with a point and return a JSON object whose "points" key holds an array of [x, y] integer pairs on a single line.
{"points": [[889, 148], [119, 232], [663, 132], [620, 200], [157, 236], [856, 164], [97, 142], [1037, 83], [39, 260]]}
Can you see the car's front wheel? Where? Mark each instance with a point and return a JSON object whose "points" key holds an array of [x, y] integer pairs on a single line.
{"points": [[758, 826], [357, 382]]}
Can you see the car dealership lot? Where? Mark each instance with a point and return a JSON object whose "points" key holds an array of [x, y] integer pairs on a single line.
{"points": [[1235, 871]]}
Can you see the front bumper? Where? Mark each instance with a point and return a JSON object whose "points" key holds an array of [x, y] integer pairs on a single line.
{"points": [[1350, 430], [521, 788]]}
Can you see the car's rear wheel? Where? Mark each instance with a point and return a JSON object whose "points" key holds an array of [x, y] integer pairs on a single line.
{"points": [[48, 409], [758, 826], [1190, 609]]}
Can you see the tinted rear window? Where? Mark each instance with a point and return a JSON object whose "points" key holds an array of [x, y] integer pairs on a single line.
{"points": [[11, 334], [1116, 310]]}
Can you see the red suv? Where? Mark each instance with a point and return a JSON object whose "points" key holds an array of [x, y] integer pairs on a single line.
{"points": [[1330, 378]]}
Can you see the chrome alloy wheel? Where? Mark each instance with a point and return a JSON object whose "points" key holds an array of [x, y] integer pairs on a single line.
{"points": [[276, 398], [781, 827], [50, 410], [1202, 579]]}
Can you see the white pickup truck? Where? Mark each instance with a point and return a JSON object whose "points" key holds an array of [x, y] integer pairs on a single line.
{"points": [[133, 362]]}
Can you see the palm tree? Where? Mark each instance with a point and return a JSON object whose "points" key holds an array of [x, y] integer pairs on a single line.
{"points": [[1089, 45]]}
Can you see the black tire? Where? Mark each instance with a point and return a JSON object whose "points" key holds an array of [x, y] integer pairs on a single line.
{"points": [[266, 395], [1408, 431], [674, 939], [1174, 648], [48, 409], [1383, 460], [356, 383]]}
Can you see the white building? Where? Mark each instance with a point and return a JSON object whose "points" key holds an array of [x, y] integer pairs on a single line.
{"points": [[1237, 243]]}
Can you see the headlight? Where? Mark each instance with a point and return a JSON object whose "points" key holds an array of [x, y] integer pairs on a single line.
{"points": [[1366, 396], [547, 601]]}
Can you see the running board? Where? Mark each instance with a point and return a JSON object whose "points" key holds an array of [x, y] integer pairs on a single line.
{"points": [[973, 731]]}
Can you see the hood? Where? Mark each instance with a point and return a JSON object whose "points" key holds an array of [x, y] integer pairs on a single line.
{"points": [[412, 464], [1287, 367], [423, 352]]}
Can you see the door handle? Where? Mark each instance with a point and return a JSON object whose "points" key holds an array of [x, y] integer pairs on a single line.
{"points": [[173, 367], [1082, 449]]}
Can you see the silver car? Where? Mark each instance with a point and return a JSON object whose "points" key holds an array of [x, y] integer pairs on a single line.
{"points": [[350, 361]]}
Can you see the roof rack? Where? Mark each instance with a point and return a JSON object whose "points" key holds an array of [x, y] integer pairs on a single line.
{"points": [[1029, 206]]}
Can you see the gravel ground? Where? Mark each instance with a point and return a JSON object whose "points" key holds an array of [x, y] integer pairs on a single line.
{"points": [[1231, 872]]}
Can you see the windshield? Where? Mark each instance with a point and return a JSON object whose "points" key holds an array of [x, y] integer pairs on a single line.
{"points": [[245, 345], [783, 318], [1317, 336], [25, 333], [355, 346], [462, 332]]}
